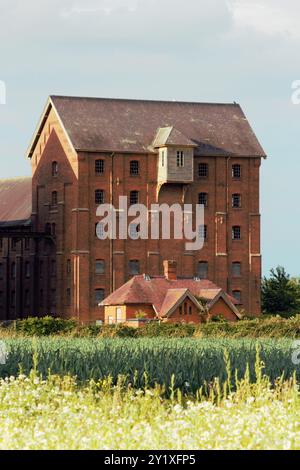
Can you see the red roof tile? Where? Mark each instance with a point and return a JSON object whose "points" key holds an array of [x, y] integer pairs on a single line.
{"points": [[139, 290]]}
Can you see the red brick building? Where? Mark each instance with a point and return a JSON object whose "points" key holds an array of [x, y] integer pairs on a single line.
{"points": [[87, 151], [168, 299]]}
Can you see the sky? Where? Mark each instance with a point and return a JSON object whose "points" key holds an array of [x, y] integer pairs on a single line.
{"points": [[196, 50]]}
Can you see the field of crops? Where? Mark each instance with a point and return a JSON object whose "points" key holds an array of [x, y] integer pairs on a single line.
{"points": [[191, 363], [59, 414]]}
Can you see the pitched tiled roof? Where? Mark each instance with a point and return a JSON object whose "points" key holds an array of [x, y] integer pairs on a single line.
{"points": [[15, 200], [99, 124], [153, 291]]}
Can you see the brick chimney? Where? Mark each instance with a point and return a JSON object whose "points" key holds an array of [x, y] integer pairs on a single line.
{"points": [[170, 270]]}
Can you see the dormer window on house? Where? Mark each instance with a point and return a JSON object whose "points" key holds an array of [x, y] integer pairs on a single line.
{"points": [[180, 159]]}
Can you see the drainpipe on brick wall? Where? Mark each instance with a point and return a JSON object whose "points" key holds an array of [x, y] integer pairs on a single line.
{"points": [[111, 242], [227, 215]]}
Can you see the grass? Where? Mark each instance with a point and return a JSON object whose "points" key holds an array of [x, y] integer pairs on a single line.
{"points": [[58, 413]]}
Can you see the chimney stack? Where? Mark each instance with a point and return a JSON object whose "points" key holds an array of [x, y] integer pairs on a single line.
{"points": [[170, 270]]}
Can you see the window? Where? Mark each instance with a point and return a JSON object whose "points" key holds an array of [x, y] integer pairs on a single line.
{"points": [[134, 231], [41, 269], [180, 159], [163, 158], [180, 310], [119, 315], [48, 229], [54, 198], [134, 197], [53, 297], [13, 270], [203, 232], [13, 299], [41, 298], [53, 268], [236, 201], [203, 269], [1, 244], [134, 168], [134, 267], [203, 199], [1, 271], [185, 308], [14, 243], [236, 171], [68, 266], [54, 168], [236, 232], [99, 296], [203, 170], [68, 297], [99, 231], [27, 269], [27, 298], [27, 243], [100, 266], [99, 167], [236, 269], [99, 196], [53, 230], [190, 310], [238, 296]]}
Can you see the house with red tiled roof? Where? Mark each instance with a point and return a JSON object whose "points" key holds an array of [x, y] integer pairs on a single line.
{"points": [[169, 299]]}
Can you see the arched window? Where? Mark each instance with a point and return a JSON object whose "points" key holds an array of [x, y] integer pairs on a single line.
{"points": [[99, 167], [203, 199], [54, 168], [134, 168], [134, 197], [236, 232], [99, 196], [236, 201], [236, 171], [203, 170]]}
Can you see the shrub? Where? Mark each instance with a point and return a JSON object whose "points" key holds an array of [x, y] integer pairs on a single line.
{"points": [[44, 326]]}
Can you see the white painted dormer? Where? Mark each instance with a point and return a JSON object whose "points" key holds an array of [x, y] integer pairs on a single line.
{"points": [[176, 156]]}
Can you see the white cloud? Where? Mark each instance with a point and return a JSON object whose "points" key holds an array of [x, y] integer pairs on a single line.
{"points": [[271, 17]]}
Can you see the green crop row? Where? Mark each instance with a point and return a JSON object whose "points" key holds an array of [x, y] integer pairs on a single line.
{"points": [[142, 361]]}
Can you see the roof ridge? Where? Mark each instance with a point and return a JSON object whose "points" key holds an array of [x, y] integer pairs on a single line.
{"points": [[137, 100], [16, 178]]}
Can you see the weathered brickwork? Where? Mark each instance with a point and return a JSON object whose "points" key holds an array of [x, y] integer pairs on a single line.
{"points": [[63, 202]]}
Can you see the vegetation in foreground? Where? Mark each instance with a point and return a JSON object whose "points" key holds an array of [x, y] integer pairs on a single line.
{"points": [[265, 327], [57, 413], [156, 360]]}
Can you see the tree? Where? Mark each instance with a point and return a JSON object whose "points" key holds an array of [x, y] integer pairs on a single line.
{"points": [[280, 294]]}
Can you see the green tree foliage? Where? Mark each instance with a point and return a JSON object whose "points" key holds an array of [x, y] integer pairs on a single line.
{"points": [[280, 293]]}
